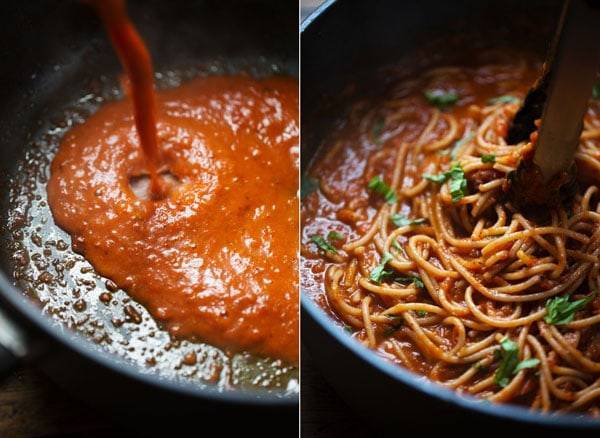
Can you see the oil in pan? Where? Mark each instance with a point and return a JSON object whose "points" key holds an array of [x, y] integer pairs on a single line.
{"points": [[73, 295]]}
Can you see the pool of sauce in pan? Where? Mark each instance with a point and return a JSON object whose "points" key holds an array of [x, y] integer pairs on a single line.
{"points": [[214, 259], [210, 346]]}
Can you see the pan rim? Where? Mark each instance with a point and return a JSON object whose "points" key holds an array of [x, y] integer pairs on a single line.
{"points": [[435, 390], [410, 379], [81, 345], [27, 313]]}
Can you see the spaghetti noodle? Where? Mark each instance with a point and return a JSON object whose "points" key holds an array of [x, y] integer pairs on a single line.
{"points": [[408, 241]]}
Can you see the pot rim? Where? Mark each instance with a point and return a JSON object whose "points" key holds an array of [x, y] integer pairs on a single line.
{"points": [[435, 390]]}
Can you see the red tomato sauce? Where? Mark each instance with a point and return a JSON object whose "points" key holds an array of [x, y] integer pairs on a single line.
{"points": [[137, 62], [216, 259], [214, 255]]}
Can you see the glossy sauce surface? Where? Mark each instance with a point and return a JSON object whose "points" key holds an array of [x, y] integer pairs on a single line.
{"points": [[216, 259]]}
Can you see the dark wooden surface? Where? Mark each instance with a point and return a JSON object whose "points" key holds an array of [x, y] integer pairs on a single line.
{"points": [[31, 406], [323, 414]]}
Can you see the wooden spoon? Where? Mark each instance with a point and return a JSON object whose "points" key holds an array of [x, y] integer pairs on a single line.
{"points": [[560, 98]]}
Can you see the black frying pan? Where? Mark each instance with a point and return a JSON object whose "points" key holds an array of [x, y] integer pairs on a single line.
{"points": [[57, 67], [347, 42]]}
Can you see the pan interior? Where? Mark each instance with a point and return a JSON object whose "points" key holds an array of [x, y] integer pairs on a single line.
{"points": [[64, 91]]}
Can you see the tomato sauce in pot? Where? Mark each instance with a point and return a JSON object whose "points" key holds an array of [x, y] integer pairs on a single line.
{"points": [[216, 258], [187, 199]]}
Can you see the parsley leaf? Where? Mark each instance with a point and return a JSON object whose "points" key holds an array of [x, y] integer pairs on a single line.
{"points": [[422, 313], [417, 281], [376, 184], [596, 91], [509, 362], [480, 367], [323, 244], [440, 178], [560, 311], [458, 182], [440, 98], [379, 271], [308, 185], [401, 220], [414, 279], [488, 158], [335, 235], [509, 359], [527, 363], [507, 98]]}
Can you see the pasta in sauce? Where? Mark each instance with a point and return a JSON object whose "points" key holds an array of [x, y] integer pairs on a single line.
{"points": [[408, 242]]}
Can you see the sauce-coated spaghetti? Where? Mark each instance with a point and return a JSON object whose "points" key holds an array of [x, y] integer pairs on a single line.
{"points": [[408, 241]]}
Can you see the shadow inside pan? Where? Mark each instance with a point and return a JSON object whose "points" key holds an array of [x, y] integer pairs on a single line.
{"points": [[62, 76]]}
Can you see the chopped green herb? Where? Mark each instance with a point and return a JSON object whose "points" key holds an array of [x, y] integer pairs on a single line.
{"points": [[504, 99], [417, 281], [377, 185], [488, 158], [414, 279], [527, 363], [379, 271], [400, 220], [480, 367], [377, 129], [323, 244], [396, 245], [335, 235], [308, 185], [458, 182], [596, 91], [422, 313], [440, 98], [509, 359], [349, 329], [509, 362], [560, 311], [440, 178]]}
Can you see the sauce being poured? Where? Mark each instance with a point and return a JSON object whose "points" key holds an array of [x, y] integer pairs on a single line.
{"points": [[215, 257], [137, 62]]}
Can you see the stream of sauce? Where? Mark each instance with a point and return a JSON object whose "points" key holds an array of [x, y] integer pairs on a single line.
{"points": [[136, 60], [214, 258]]}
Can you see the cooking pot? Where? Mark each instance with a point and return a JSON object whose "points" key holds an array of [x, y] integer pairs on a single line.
{"points": [[52, 50], [345, 47]]}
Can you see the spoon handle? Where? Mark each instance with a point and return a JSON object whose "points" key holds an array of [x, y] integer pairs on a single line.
{"points": [[572, 69]]}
